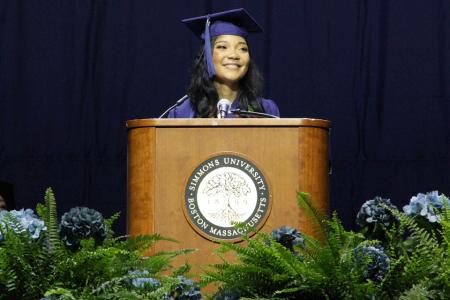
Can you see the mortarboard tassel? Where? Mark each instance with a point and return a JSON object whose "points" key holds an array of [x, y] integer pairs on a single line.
{"points": [[208, 51]]}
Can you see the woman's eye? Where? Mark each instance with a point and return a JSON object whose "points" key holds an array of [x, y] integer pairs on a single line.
{"points": [[244, 49], [221, 47]]}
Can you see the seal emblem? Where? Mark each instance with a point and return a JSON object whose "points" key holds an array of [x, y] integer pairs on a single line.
{"points": [[225, 190]]}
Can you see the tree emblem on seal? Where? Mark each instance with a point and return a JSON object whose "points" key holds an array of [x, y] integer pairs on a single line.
{"points": [[227, 190]]}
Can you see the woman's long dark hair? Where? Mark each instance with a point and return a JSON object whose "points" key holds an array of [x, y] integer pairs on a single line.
{"points": [[203, 94]]}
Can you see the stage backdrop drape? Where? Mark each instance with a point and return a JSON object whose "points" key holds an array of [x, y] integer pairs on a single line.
{"points": [[72, 73]]}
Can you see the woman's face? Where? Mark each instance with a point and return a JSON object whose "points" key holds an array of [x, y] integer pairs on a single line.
{"points": [[231, 58]]}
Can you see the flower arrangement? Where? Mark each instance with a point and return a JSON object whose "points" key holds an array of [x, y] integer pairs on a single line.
{"points": [[393, 256], [78, 258]]}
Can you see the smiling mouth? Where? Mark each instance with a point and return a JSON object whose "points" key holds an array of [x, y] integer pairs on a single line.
{"points": [[232, 66]]}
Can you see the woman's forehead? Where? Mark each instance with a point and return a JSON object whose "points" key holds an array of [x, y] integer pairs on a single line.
{"points": [[228, 38]]}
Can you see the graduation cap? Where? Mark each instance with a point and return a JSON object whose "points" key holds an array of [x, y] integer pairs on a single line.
{"points": [[233, 22]]}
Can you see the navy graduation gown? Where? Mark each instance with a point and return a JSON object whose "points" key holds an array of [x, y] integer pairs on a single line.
{"points": [[186, 109]]}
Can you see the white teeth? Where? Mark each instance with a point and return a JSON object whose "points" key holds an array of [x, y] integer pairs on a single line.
{"points": [[231, 66]]}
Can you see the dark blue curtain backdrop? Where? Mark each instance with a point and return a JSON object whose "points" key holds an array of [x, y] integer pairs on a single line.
{"points": [[72, 73]]}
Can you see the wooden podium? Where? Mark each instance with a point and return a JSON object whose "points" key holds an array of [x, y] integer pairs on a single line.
{"points": [[162, 154]]}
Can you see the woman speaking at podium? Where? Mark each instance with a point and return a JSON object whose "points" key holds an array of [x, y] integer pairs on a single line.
{"points": [[224, 81]]}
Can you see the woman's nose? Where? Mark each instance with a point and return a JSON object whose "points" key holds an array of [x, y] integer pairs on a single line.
{"points": [[234, 55]]}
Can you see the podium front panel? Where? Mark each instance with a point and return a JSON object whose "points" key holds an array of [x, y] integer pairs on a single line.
{"points": [[162, 154]]}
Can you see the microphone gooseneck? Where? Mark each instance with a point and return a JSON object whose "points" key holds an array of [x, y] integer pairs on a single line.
{"points": [[179, 101], [223, 108], [246, 113]]}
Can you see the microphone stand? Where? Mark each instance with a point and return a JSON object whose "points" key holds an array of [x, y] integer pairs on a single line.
{"points": [[179, 101], [223, 108], [247, 113]]}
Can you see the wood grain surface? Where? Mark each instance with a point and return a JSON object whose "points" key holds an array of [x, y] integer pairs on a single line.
{"points": [[162, 154]]}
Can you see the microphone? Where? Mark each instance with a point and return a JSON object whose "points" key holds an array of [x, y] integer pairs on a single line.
{"points": [[223, 107], [247, 113], [179, 101]]}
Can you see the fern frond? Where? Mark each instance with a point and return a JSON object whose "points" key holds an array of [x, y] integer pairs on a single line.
{"points": [[317, 218], [154, 264], [249, 278], [237, 248], [107, 285], [312, 247], [445, 226], [142, 243], [62, 293], [417, 292], [50, 218], [161, 261], [173, 254], [182, 270], [109, 223]]}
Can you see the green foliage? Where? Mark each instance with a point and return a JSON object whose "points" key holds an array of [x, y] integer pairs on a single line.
{"points": [[444, 277], [321, 270], [21, 264], [30, 269], [118, 289], [419, 261], [326, 268]]}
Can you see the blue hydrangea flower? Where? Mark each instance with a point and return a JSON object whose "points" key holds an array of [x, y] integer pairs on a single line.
{"points": [[82, 223], [288, 237], [378, 264], [141, 282], [185, 290], [426, 205], [376, 212], [28, 221]]}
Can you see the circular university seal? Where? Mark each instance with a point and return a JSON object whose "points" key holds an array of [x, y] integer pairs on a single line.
{"points": [[225, 190]]}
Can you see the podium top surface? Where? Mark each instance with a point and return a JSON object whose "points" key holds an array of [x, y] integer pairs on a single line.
{"points": [[238, 122]]}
